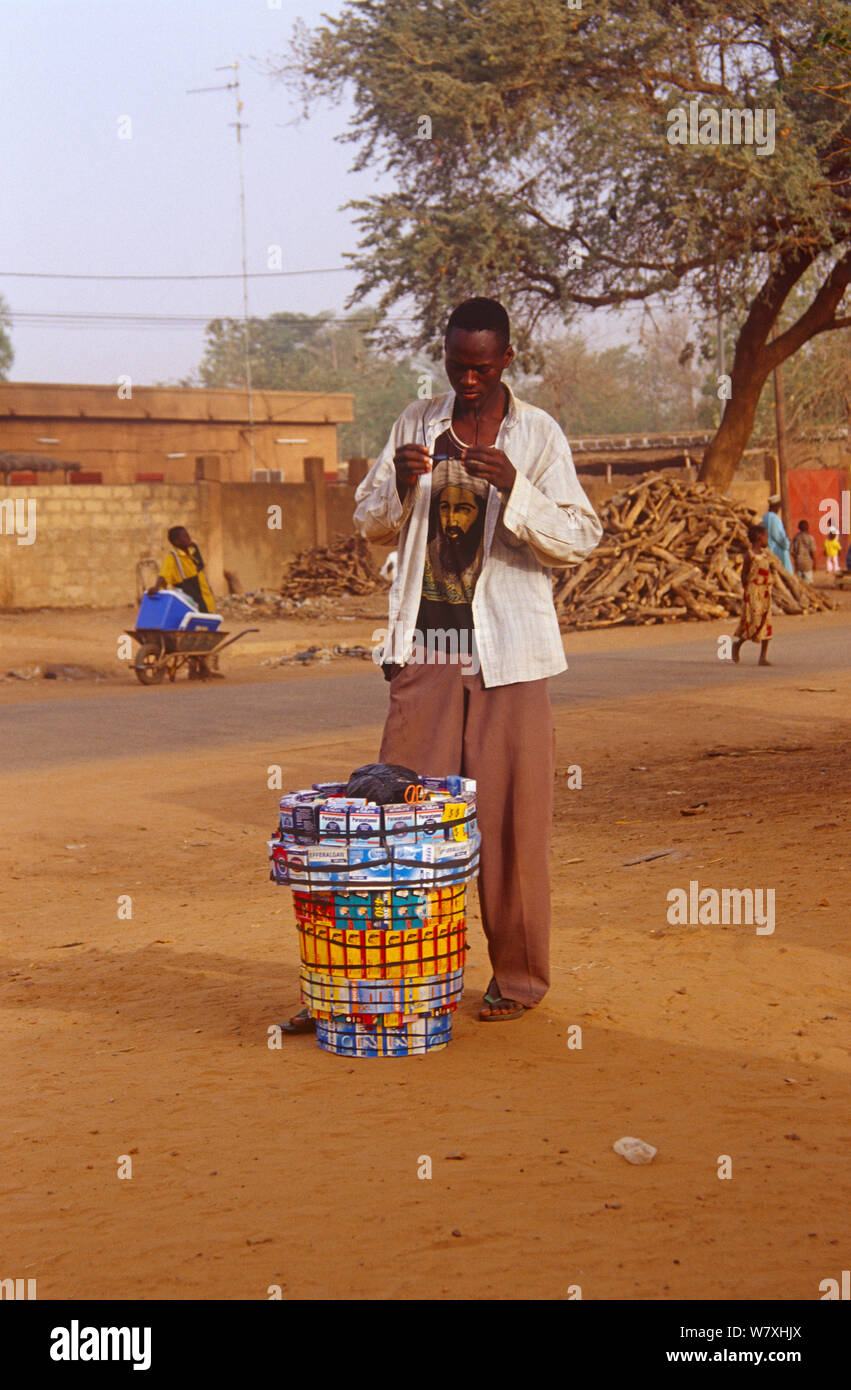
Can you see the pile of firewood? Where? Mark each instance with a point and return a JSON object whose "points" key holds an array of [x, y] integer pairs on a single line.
{"points": [[670, 550], [345, 567]]}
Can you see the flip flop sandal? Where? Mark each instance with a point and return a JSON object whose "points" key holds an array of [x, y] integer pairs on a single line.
{"points": [[299, 1023], [516, 1012]]}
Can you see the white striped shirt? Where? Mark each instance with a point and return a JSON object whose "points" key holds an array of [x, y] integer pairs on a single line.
{"points": [[545, 523]]}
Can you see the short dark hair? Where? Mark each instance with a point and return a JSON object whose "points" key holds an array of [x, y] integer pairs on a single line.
{"points": [[803, 526], [174, 532], [481, 316], [755, 530]]}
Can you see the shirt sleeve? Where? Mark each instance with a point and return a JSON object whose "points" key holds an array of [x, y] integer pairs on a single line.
{"points": [[549, 510], [169, 571], [380, 513]]}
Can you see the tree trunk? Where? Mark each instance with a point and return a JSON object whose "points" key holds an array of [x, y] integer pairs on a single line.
{"points": [[756, 356], [724, 453]]}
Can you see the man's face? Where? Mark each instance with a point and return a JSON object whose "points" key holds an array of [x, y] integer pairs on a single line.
{"points": [[475, 362], [184, 540], [458, 511]]}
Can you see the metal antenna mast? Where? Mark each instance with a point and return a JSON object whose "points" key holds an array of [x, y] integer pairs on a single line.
{"points": [[239, 124]]}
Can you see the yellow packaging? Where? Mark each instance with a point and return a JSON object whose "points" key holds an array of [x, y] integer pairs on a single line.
{"points": [[455, 811]]}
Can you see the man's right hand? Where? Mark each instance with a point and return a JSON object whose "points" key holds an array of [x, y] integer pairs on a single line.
{"points": [[411, 462]]}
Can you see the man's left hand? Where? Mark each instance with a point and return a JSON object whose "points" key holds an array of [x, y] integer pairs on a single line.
{"points": [[491, 464]]}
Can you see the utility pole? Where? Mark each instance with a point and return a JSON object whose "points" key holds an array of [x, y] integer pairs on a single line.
{"points": [[780, 429], [719, 330], [246, 345]]}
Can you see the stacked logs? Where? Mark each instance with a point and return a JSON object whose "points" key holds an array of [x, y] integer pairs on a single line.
{"points": [[345, 567], [670, 550]]}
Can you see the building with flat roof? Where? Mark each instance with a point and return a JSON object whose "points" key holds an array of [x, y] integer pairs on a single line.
{"points": [[129, 434]]}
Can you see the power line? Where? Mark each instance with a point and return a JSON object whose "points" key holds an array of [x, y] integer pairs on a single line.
{"points": [[234, 275], [84, 319]]}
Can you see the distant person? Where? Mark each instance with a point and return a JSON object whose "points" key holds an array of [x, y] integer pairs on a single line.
{"points": [[803, 550], [778, 541], [757, 580], [183, 568], [832, 547]]}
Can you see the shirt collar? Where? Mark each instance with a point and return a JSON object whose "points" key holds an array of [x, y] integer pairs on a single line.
{"points": [[442, 407]]}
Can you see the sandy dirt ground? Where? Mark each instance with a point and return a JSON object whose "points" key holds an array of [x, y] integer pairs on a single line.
{"points": [[254, 1167]]}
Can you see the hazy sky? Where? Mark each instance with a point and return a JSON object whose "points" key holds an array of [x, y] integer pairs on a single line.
{"points": [[80, 200]]}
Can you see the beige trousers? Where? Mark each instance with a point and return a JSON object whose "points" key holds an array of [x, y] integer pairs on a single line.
{"points": [[442, 721]]}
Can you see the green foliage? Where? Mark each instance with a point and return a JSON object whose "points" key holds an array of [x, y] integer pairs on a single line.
{"points": [[7, 353], [303, 352], [549, 179]]}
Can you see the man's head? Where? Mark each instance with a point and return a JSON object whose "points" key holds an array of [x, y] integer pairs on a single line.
{"points": [[758, 537], [179, 536], [775, 502], [477, 350], [803, 526]]}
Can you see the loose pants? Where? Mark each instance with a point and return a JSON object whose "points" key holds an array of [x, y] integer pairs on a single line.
{"points": [[442, 721]]}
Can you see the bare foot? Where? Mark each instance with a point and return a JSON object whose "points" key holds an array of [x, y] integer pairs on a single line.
{"points": [[764, 662]]}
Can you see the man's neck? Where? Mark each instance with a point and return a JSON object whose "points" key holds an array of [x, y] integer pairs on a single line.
{"points": [[494, 408]]}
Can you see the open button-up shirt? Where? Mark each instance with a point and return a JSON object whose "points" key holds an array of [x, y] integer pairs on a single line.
{"points": [[546, 522]]}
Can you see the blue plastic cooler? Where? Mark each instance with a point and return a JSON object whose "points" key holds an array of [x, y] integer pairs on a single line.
{"points": [[165, 610]]}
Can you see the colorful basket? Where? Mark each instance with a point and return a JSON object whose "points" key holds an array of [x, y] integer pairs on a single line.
{"points": [[380, 902]]}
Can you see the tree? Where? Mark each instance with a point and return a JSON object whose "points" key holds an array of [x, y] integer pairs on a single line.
{"points": [[303, 352], [619, 390], [7, 353], [536, 148]]}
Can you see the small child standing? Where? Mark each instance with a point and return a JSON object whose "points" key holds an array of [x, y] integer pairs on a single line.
{"points": [[804, 552], [757, 581], [832, 547]]}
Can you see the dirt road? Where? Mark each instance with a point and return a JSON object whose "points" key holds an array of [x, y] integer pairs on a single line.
{"points": [[145, 1037]]}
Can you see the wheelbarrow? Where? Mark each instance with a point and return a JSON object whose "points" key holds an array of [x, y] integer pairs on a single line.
{"points": [[162, 653]]}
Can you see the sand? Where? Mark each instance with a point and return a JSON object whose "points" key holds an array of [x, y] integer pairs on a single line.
{"points": [[256, 1167]]}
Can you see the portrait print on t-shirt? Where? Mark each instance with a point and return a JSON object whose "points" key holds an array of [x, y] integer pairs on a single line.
{"points": [[454, 552]]}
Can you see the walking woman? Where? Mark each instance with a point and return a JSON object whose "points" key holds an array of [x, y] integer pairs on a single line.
{"points": [[755, 622]]}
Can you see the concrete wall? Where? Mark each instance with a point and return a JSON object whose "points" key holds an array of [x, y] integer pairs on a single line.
{"points": [[89, 538], [252, 549], [340, 506]]}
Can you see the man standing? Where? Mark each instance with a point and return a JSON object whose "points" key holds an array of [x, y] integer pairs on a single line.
{"points": [[778, 541], [481, 491]]}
